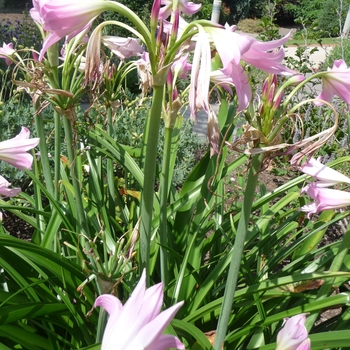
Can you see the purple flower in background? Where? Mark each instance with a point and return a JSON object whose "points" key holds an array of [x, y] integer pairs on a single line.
{"points": [[335, 81], [14, 151], [138, 324], [293, 335]]}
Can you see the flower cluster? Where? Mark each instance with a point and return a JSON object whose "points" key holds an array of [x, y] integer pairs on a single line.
{"points": [[166, 56]]}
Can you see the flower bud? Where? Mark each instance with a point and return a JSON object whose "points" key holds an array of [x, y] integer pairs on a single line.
{"points": [[293, 335]]}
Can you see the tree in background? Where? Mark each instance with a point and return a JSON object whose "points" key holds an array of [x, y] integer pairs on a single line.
{"points": [[236, 10], [326, 17], [332, 17]]}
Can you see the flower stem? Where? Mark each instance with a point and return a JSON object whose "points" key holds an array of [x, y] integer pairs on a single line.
{"points": [[235, 264], [163, 196], [57, 119], [46, 168], [110, 169], [151, 143], [81, 222]]}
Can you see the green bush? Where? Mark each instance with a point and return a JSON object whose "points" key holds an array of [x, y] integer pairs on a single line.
{"points": [[141, 8], [328, 19], [337, 53], [128, 128]]}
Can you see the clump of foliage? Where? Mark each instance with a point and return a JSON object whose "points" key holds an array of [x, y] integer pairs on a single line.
{"points": [[249, 25], [128, 130], [269, 28], [140, 7], [338, 52], [332, 17], [325, 17]]}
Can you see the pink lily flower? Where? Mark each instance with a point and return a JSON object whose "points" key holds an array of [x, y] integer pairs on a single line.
{"points": [[181, 67], [65, 17], [183, 6], [138, 324], [263, 55], [6, 51], [123, 47], [248, 49], [324, 198], [14, 151], [293, 335], [5, 191], [35, 12], [336, 81], [326, 176]]}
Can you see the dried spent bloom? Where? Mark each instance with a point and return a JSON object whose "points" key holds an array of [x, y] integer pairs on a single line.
{"points": [[138, 324], [5, 191], [293, 335], [335, 81], [14, 151]]}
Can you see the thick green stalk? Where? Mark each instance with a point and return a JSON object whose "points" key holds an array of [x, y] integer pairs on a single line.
{"points": [[110, 170], [81, 222], [235, 264], [151, 143], [57, 119], [46, 168], [327, 286], [163, 197]]}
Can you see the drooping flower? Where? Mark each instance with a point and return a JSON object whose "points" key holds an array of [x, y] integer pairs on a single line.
{"points": [[138, 324], [324, 198], [293, 335], [183, 6], [200, 75], [14, 151], [123, 47], [324, 175], [5, 191], [64, 17], [335, 81], [6, 51]]}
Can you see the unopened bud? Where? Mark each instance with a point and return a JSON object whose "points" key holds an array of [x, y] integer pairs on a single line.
{"points": [[295, 80], [271, 94], [277, 101]]}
